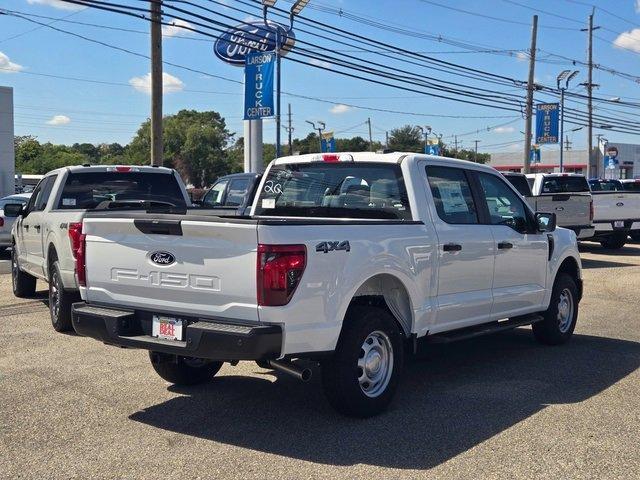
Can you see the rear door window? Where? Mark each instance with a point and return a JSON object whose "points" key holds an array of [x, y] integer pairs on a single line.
{"points": [[369, 190], [102, 190], [451, 193], [214, 197], [521, 184]]}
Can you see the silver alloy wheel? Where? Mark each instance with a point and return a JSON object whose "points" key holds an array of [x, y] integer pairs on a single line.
{"points": [[375, 364], [54, 295], [565, 310]]}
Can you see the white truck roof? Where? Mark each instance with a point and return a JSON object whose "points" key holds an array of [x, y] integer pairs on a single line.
{"points": [[108, 168]]}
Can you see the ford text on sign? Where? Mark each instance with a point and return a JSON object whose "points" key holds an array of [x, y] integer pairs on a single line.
{"points": [[258, 85], [547, 120]]}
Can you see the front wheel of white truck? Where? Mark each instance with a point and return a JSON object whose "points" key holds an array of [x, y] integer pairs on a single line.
{"points": [[362, 375], [183, 370], [562, 314]]}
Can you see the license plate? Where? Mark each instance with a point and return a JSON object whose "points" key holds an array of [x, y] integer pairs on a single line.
{"points": [[168, 328], [618, 224]]}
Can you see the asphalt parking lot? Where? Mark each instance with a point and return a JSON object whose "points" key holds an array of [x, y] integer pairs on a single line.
{"points": [[497, 407]]}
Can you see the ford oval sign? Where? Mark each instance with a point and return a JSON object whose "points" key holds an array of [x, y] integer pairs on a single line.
{"points": [[234, 44], [162, 258]]}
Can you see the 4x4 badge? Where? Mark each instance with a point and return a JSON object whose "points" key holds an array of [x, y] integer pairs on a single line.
{"points": [[327, 247]]}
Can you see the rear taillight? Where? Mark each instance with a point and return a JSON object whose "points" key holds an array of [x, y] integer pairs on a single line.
{"points": [[81, 263], [591, 211], [279, 270], [75, 230]]}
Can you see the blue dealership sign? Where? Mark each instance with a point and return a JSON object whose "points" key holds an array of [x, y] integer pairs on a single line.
{"points": [[235, 44], [328, 145], [547, 121], [258, 85], [432, 149]]}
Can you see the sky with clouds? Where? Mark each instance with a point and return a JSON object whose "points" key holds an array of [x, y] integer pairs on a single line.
{"points": [[72, 109]]}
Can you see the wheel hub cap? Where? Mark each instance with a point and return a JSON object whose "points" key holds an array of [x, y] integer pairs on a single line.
{"points": [[375, 364], [565, 310]]}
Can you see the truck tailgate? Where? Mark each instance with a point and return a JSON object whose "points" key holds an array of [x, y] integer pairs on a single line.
{"points": [[611, 206], [173, 264], [571, 209]]}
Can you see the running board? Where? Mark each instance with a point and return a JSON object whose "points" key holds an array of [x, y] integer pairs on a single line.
{"points": [[484, 329]]}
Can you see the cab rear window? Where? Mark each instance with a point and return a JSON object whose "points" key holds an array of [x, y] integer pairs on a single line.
{"points": [[568, 184], [335, 190], [102, 190]]}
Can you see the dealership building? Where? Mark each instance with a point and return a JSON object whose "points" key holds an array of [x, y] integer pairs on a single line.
{"points": [[575, 161]]}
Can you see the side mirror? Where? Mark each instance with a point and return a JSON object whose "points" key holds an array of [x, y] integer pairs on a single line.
{"points": [[13, 210], [546, 222]]}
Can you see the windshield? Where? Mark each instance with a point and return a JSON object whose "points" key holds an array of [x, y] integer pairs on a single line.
{"points": [[568, 184], [605, 185], [337, 190], [98, 190]]}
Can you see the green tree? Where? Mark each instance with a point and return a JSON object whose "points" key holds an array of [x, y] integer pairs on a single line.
{"points": [[406, 139]]}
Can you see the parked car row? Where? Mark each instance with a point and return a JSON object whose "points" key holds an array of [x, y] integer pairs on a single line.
{"points": [[346, 261]]}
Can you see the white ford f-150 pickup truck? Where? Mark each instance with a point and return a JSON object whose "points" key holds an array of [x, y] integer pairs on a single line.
{"points": [[568, 196], [346, 260], [617, 211], [46, 234]]}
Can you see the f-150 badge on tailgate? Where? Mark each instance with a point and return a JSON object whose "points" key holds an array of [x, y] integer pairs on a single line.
{"points": [[162, 258]]}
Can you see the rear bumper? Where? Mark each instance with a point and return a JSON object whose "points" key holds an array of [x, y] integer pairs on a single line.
{"points": [[210, 339], [609, 225], [581, 231]]}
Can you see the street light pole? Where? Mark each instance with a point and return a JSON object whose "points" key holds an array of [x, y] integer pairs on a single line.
{"points": [[568, 75], [321, 126]]}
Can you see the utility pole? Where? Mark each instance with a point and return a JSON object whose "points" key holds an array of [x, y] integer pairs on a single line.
{"points": [[321, 126], [455, 142], [530, 89], [475, 157], [590, 86], [370, 137], [567, 144], [156, 82], [290, 131], [386, 141]]}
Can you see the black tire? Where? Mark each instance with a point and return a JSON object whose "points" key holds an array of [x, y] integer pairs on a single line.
{"points": [[60, 300], [24, 285], [264, 364], [614, 241], [635, 236], [558, 325], [341, 372], [183, 370]]}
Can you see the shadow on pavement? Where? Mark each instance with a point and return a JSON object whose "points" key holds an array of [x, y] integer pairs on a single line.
{"points": [[589, 263], [450, 400]]}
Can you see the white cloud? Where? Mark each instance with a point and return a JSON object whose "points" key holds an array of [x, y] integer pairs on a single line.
{"points": [[59, 120], [340, 108], [522, 56], [176, 28], [629, 40], [503, 130], [321, 63], [638, 6], [59, 4], [7, 66], [169, 83]]}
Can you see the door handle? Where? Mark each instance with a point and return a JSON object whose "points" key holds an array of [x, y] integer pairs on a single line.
{"points": [[37, 227], [505, 245], [452, 247], [26, 227]]}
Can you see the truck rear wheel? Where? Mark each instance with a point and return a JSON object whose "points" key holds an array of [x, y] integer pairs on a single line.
{"points": [[361, 376], [562, 314], [60, 301], [183, 370], [24, 285], [614, 241]]}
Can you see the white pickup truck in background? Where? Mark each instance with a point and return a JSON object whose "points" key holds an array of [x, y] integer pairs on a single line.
{"points": [[568, 196], [346, 261], [617, 211], [45, 236]]}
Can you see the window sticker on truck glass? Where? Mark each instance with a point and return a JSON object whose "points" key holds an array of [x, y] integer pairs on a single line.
{"points": [[452, 197], [69, 202]]}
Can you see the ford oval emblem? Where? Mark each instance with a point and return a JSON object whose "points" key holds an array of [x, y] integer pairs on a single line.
{"points": [[162, 258], [620, 204], [233, 45]]}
